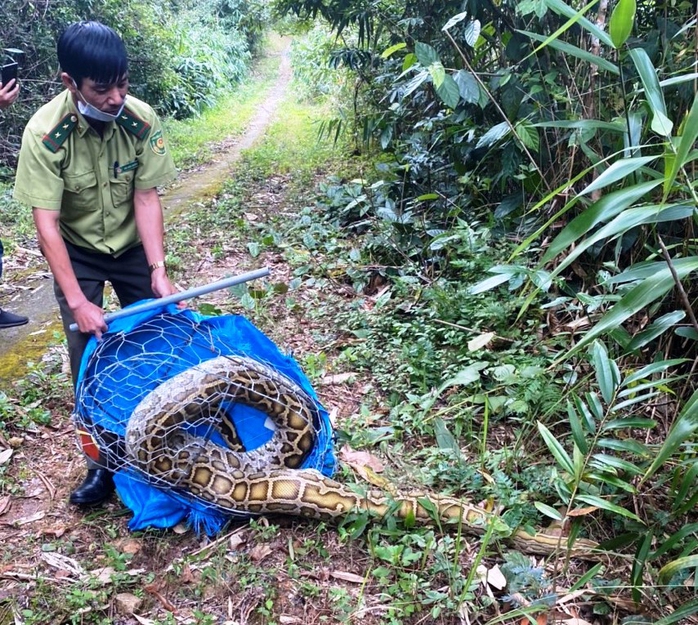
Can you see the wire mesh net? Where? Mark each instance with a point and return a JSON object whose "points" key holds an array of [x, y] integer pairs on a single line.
{"points": [[164, 391]]}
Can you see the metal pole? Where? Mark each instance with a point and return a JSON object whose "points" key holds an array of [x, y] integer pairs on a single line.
{"points": [[196, 291]]}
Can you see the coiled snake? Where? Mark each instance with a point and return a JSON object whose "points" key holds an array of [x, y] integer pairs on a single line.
{"points": [[164, 441]]}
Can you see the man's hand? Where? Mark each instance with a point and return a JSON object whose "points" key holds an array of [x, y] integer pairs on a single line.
{"points": [[90, 318], [160, 283], [9, 93]]}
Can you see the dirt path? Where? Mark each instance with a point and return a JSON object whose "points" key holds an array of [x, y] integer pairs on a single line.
{"points": [[35, 297]]}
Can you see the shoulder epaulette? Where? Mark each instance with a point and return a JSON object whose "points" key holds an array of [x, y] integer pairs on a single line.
{"points": [[134, 124], [54, 139]]}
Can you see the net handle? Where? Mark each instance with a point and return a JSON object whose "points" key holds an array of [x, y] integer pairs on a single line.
{"points": [[175, 298]]}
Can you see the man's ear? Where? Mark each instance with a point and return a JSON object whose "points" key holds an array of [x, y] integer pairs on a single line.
{"points": [[68, 82]]}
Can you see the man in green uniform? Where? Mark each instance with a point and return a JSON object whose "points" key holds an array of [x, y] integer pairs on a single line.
{"points": [[8, 94], [90, 164]]}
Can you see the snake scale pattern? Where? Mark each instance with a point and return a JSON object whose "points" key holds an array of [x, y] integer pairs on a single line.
{"points": [[164, 442]]}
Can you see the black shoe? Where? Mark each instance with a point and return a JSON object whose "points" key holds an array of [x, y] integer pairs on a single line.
{"points": [[97, 487], [10, 320]]}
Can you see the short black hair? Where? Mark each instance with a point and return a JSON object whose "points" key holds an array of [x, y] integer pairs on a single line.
{"points": [[92, 50]]}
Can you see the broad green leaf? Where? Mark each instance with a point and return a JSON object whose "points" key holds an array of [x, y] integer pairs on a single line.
{"points": [[528, 135], [661, 124], [607, 376], [489, 283], [583, 409], [645, 293], [448, 92], [595, 406], [576, 428], [585, 124], [621, 23], [563, 9], [467, 86], [388, 52], [655, 329], [684, 426], [671, 569], [612, 480], [650, 370], [464, 377], [409, 61], [548, 511], [574, 51], [587, 577], [426, 54], [472, 33], [639, 562], [437, 73], [415, 83], [639, 271], [556, 449], [592, 500], [444, 438], [456, 19], [687, 333], [677, 80], [648, 75], [494, 134], [639, 399], [617, 463], [627, 446], [689, 135], [619, 170], [629, 422], [599, 212]]}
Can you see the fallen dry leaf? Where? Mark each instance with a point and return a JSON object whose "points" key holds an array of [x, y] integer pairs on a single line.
{"points": [[339, 378], [29, 519], [480, 341], [259, 552], [360, 459], [5, 504], [496, 578], [5, 456], [345, 576]]}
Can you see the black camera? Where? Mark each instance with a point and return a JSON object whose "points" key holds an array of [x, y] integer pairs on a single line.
{"points": [[11, 65]]}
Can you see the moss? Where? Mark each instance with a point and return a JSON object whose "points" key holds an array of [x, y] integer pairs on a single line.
{"points": [[14, 362]]}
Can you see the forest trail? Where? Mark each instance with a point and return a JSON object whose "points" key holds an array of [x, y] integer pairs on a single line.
{"points": [[34, 296]]}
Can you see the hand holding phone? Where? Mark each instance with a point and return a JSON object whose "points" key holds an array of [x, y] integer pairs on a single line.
{"points": [[8, 94], [9, 72]]}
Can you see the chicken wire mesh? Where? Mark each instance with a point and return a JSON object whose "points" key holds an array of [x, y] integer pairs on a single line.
{"points": [[163, 388]]}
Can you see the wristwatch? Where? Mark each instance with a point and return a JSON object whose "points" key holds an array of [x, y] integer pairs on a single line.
{"points": [[154, 266]]}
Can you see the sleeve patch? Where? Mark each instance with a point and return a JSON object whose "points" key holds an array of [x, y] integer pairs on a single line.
{"points": [[157, 143]]}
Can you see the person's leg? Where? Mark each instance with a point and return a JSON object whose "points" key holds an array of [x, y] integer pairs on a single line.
{"points": [[90, 271]]}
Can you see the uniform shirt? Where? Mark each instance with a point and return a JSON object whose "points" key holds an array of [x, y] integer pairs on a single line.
{"points": [[65, 165]]}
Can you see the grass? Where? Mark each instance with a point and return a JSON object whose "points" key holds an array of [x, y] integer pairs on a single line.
{"points": [[195, 141]]}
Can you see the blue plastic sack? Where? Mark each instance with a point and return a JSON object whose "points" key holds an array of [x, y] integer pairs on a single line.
{"points": [[141, 351]]}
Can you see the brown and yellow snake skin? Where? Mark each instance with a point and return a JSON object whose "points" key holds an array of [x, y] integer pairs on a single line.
{"points": [[267, 480]]}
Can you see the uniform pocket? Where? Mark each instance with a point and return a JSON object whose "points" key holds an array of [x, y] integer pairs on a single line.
{"points": [[121, 189], [80, 191]]}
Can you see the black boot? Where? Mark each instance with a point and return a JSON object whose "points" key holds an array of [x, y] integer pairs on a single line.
{"points": [[97, 486], [10, 320]]}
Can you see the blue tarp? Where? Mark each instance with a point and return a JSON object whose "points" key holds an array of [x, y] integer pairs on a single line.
{"points": [[141, 351]]}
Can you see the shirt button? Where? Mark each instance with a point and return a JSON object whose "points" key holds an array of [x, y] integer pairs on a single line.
{"points": [[105, 185]]}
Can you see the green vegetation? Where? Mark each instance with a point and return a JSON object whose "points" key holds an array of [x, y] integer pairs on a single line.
{"points": [[492, 246]]}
